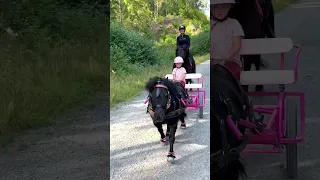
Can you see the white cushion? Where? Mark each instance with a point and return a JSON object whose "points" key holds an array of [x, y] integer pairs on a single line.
{"points": [[265, 46], [265, 77], [193, 86]]}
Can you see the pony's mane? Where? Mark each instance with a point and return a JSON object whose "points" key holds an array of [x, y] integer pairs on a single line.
{"points": [[171, 85]]}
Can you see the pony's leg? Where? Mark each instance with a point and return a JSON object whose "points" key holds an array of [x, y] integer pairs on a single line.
{"points": [[160, 129], [168, 130], [173, 128], [183, 123]]}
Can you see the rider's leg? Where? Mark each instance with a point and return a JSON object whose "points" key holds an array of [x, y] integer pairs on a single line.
{"points": [[247, 62], [183, 83], [187, 94]]}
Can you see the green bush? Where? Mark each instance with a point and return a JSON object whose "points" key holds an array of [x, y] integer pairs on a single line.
{"points": [[131, 52], [120, 62], [140, 49], [200, 44]]}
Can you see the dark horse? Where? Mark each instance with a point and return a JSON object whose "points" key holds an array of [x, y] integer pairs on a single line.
{"points": [[257, 20], [229, 105], [188, 62], [166, 107]]}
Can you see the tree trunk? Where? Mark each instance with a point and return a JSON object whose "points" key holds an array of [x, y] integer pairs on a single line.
{"points": [[120, 12]]}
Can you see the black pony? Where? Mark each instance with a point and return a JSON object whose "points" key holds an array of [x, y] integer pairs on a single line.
{"points": [[257, 20], [166, 107], [228, 100], [188, 62]]}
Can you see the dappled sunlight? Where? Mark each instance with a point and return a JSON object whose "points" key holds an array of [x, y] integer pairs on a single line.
{"points": [[123, 133], [155, 162]]}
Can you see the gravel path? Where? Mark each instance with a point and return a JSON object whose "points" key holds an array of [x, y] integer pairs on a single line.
{"points": [[66, 152]]}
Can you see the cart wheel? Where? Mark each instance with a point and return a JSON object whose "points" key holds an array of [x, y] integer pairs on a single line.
{"points": [[291, 132], [201, 102]]}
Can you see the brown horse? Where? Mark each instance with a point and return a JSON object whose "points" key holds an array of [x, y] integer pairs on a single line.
{"points": [[257, 20]]}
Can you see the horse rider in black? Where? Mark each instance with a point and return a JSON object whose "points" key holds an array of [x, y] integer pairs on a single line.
{"points": [[183, 41]]}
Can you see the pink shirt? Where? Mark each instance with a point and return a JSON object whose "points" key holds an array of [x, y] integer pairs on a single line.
{"points": [[179, 73], [221, 38]]}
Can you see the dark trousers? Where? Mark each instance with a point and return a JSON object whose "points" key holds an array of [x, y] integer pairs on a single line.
{"points": [[248, 60]]}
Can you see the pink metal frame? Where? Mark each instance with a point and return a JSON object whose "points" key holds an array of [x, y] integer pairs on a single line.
{"points": [[274, 131], [195, 105]]}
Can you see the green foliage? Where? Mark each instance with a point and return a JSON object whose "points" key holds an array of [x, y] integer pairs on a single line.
{"points": [[157, 18], [201, 43], [57, 60], [139, 48], [143, 37], [130, 51]]}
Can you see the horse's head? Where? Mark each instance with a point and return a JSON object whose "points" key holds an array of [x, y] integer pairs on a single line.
{"points": [[159, 97]]}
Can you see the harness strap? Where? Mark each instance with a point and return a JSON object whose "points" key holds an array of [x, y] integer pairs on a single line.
{"points": [[222, 159], [169, 115], [175, 113]]}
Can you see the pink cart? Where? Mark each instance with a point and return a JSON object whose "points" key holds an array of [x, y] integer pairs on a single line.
{"points": [[287, 122], [197, 92]]}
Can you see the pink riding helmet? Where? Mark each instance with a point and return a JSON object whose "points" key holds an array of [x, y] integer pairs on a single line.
{"points": [[213, 2], [178, 59]]}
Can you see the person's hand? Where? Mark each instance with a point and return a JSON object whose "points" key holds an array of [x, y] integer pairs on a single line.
{"points": [[229, 59]]}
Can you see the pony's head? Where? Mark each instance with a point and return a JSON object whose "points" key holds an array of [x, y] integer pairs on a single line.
{"points": [[160, 90]]}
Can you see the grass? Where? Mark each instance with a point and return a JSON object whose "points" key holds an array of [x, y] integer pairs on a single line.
{"points": [[37, 85], [123, 89]]}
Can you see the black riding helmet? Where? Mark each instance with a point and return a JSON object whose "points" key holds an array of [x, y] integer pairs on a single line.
{"points": [[182, 27]]}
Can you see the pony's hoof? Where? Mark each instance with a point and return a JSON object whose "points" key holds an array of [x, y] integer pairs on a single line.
{"points": [[183, 126], [170, 159], [163, 139]]}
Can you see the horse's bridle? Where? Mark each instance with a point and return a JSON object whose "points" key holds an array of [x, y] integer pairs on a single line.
{"points": [[150, 106]]}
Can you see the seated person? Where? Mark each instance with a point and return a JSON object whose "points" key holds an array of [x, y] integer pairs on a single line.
{"points": [[226, 37], [179, 72]]}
